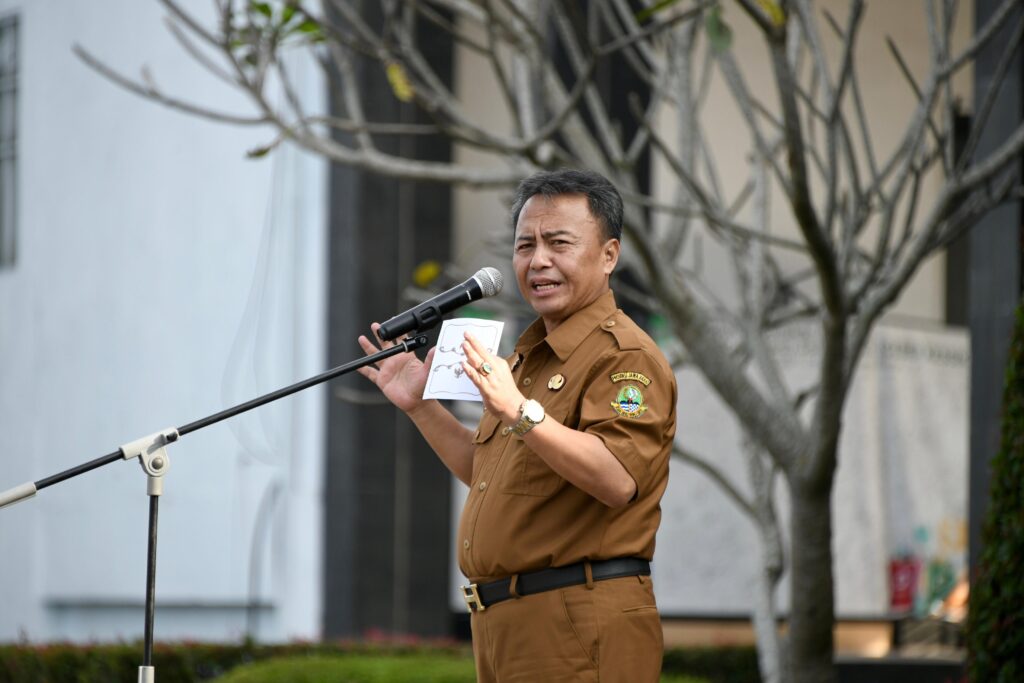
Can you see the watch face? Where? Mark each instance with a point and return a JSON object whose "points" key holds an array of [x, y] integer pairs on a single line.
{"points": [[533, 411]]}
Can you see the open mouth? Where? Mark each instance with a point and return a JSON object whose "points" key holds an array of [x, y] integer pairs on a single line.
{"points": [[541, 287]]}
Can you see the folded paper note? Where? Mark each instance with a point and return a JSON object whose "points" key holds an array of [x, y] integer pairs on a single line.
{"points": [[447, 378]]}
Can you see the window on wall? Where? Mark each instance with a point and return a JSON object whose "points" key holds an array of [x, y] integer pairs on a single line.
{"points": [[8, 139]]}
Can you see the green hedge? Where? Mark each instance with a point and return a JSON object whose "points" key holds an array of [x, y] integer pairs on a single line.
{"points": [[174, 662], [995, 623], [435, 662], [376, 669], [416, 668]]}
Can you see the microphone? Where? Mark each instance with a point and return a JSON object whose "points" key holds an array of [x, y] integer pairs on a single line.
{"points": [[486, 282]]}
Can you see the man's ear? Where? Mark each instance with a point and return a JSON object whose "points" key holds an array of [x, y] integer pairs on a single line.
{"points": [[610, 255]]}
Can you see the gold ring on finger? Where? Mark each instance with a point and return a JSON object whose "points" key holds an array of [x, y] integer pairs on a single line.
{"points": [[485, 369]]}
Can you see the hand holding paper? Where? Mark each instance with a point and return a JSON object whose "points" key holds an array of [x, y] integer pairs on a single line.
{"points": [[446, 379]]}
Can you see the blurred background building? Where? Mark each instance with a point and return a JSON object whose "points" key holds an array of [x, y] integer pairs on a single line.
{"points": [[151, 274]]}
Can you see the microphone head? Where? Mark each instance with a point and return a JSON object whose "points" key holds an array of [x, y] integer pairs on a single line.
{"points": [[490, 280]]}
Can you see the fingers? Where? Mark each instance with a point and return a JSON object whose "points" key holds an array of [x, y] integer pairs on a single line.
{"points": [[369, 373], [473, 357], [473, 360], [477, 346], [477, 353], [473, 375], [367, 345]]}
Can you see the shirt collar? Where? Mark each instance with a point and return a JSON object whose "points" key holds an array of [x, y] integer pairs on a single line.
{"points": [[568, 335]]}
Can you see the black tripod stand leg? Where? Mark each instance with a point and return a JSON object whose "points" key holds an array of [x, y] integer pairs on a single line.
{"points": [[147, 673]]}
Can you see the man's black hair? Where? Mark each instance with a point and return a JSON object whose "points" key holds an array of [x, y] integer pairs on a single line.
{"points": [[602, 198]]}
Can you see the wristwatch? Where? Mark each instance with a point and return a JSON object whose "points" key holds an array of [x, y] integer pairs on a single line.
{"points": [[531, 414]]}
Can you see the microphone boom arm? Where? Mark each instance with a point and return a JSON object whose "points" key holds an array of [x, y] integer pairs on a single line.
{"points": [[151, 452], [29, 489]]}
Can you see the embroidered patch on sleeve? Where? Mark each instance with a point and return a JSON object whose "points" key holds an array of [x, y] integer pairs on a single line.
{"points": [[632, 376], [629, 402]]}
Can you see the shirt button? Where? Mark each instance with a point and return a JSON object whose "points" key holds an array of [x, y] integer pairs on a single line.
{"points": [[483, 485], [527, 382], [505, 431], [609, 323], [465, 544]]}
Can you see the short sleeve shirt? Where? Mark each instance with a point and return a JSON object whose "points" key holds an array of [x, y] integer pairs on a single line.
{"points": [[597, 372]]}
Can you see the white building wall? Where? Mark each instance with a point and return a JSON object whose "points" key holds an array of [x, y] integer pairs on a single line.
{"points": [[161, 276]]}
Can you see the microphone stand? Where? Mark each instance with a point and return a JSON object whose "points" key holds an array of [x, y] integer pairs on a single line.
{"points": [[152, 454]]}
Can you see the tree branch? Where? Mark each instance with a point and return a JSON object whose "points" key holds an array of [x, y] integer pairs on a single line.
{"points": [[777, 430], [734, 80], [924, 240], [994, 86], [715, 475], [152, 93], [905, 70], [771, 27], [859, 106], [981, 37], [799, 196]]}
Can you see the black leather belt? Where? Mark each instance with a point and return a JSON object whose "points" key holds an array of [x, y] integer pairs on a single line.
{"points": [[479, 597]]}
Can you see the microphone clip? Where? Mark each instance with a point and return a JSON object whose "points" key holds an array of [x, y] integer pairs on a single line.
{"points": [[152, 454]]}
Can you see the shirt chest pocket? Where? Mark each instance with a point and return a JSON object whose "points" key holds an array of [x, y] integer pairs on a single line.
{"points": [[488, 446], [524, 472]]}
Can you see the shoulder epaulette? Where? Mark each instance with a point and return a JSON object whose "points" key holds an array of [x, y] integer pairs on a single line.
{"points": [[627, 334]]}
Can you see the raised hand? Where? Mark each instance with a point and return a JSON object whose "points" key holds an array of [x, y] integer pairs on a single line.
{"points": [[401, 378], [497, 387]]}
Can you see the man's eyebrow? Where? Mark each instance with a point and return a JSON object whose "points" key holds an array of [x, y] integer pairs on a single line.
{"points": [[547, 234], [562, 232]]}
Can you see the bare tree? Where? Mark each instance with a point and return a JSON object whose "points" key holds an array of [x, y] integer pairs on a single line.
{"points": [[859, 221]]}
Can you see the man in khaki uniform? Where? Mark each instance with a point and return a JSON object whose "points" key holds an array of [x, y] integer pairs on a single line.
{"points": [[567, 468]]}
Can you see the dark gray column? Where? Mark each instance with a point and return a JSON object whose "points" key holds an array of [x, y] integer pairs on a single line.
{"points": [[386, 494], [995, 279], [958, 253]]}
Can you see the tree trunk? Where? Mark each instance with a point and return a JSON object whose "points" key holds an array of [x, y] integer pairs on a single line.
{"points": [[770, 655], [812, 611]]}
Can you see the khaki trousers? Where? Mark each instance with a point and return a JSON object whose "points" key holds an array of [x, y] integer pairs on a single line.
{"points": [[609, 632]]}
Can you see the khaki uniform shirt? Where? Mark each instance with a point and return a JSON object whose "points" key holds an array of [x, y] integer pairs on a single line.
{"points": [[597, 372]]}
